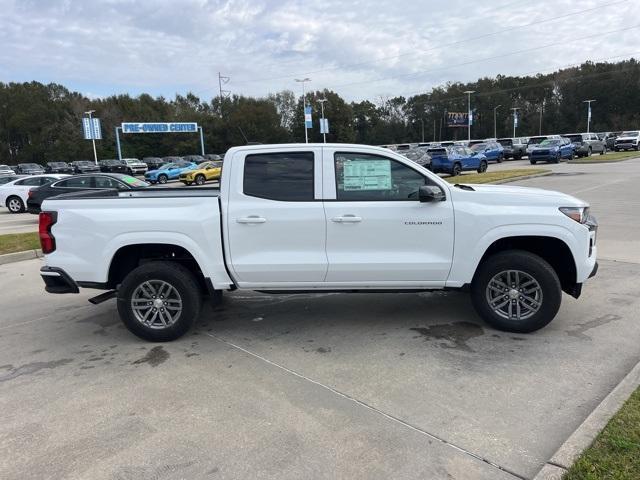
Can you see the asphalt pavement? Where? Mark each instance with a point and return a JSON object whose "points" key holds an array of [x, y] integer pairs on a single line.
{"points": [[353, 386]]}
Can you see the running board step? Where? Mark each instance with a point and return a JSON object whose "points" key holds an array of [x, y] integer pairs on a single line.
{"points": [[103, 297]]}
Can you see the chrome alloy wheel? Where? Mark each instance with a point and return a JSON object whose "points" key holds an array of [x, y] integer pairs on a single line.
{"points": [[514, 295], [156, 304], [14, 205]]}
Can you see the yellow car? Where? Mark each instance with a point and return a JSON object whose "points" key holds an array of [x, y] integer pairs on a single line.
{"points": [[205, 171]]}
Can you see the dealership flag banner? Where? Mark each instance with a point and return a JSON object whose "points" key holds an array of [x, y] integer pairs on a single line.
{"points": [[457, 119], [308, 123], [324, 125], [91, 128]]}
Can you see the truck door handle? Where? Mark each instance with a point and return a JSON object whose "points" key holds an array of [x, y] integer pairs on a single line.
{"points": [[251, 219], [347, 219]]}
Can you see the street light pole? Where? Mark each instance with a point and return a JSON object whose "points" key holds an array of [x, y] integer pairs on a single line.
{"points": [[541, 111], [495, 125], [304, 106], [93, 140], [469, 92], [324, 134], [422, 122], [515, 116], [588, 102]]}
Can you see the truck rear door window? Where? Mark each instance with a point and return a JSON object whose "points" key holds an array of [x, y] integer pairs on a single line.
{"points": [[284, 176]]}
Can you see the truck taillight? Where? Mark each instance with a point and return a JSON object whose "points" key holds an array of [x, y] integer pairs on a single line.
{"points": [[46, 221]]}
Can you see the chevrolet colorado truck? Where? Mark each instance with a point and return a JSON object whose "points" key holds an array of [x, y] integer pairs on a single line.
{"points": [[317, 218]]}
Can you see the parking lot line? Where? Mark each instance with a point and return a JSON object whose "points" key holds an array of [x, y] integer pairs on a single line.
{"points": [[366, 406]]}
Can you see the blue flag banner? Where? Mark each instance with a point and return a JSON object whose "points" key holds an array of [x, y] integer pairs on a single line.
{"points": [[91, 128], [308, 123]]}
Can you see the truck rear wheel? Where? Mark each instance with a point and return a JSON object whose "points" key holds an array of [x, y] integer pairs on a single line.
{"points": [[516, 291], [159, 301]]}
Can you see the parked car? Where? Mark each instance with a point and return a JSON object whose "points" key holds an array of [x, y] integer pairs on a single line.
{"points": [[419, 155], [586, 143], [627, 141], [5, 170], [202, 173], [456, 159], [89, 181], [514, 148], [491, 150], [533, 141], [29, 169], [58, 167], [14, 194], [135, 166], [551, 150], [153, 163], [84, 166], [381, 222], [610, 139], [106, 164], [169, 171]]}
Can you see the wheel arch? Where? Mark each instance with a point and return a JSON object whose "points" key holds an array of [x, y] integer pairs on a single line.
{"points": [[552, 249]]}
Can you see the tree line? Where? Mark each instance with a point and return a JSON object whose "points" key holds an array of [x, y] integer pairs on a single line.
{"points": [[40, 123]]}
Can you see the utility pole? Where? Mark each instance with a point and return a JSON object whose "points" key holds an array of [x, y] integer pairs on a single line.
{"points": [[434, 130], [93, 140], [324, 132], [469, 114], [304, 106], [495, 125], [588, 102], [541, 110], [222, 80], [515, 119]]}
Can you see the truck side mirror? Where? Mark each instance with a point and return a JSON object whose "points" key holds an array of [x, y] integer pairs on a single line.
{"points": [[430, 193]]}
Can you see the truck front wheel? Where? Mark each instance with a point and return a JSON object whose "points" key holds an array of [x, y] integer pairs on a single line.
{"points": [[516, 291], [159, 301]]}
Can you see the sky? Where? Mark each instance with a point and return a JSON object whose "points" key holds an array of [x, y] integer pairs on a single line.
{"points": [[360, 49]]}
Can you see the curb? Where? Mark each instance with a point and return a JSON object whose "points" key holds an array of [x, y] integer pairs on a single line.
{"points": [[584, 435], [20, 256], [515, 179]]}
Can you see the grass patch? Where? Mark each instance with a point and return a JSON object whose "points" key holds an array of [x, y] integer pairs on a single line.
{"points": [[608, 158], [19, 242], [615, 453], [489, 176]]}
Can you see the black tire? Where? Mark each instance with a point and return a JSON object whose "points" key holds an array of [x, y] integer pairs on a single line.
{"points": [[500, 158], [483, 166], [15, 204], [637, 147], [456, 170], [518, 156], [184, 283], [571, 155], [533, 162], [188, 184], [533, 266], [152, 182], [604, 150], [162, 178], [558, 158], [200, 179], [589, 152]]}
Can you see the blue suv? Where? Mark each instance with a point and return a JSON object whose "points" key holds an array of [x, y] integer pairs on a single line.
{"points": [[456, 159], [168, 171], [493, 151], [552, 150]]}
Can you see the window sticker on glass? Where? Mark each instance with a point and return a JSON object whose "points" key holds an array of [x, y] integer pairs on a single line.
{"points": [[367, 175]]}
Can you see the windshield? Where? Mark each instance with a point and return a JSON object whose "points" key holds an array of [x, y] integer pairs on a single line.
{"points": [[536, 140], [550, 142], [505, 142], [134, 182], [437, 151], [204, 165], [4, 167], [57, 164], [574, 138], [167, 166], [83, 163], [477, 147], [131, 160], [629, 134]]}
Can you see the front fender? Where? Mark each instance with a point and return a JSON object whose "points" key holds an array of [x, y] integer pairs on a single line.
{"points": [[469, 251]]}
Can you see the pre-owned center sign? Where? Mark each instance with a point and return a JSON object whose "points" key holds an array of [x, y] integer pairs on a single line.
{"points": [[159, 127]]}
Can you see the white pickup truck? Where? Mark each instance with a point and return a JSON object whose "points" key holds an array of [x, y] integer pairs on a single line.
{"points": [[319, 217]]}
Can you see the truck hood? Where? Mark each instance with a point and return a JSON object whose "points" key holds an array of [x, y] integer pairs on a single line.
{"points": [[626, 138], [512, 195]]}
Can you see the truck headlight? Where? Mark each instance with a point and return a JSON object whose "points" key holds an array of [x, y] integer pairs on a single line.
{"points": [[579, 214]]}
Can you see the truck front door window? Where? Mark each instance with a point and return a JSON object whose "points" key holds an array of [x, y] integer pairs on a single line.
{"points": [[365, 177]]}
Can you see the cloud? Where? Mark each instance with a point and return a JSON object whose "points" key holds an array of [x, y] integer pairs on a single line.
{"points": [[361, 49]]}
